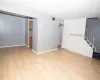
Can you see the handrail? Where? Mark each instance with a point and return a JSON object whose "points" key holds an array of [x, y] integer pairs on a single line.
{"points": [[89, 37]]}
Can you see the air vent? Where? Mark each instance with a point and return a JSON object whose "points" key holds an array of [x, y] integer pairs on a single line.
{"points": [[60, 25]]}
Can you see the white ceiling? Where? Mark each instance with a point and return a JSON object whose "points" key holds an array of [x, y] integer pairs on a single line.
{"points": [[64, 9]]}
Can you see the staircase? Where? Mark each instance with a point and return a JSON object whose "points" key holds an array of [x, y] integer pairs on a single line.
{"points": [[89, 38]]}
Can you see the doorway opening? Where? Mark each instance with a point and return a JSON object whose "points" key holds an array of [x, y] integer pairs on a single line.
{"points": [[16, 30], [60, 34]]}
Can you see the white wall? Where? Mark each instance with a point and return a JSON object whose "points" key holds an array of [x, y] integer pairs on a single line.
{"points": [[12, 30], [76, 43], [47, 29]]}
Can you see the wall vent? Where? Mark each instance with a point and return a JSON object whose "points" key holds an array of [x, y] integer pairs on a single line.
{"points": [[61, 25]]}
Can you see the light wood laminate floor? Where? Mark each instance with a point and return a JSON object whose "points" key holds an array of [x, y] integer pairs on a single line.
{"points": [[20, 63]]}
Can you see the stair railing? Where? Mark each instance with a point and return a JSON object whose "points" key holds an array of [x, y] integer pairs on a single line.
{"points": [[90, 38]]}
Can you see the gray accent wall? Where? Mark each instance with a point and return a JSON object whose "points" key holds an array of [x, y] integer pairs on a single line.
{"points": [[12, 30], [47, 29], [93, 26], [47, 34]]}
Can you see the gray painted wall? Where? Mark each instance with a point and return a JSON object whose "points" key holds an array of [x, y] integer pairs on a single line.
{"points": [[47, 29], [35, 35], [48, 34], [26, 32], [12, 30], [93, 26]]}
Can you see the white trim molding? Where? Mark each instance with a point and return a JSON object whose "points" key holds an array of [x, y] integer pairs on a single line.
{"points": [[34, 51], [26, 46], [13, 46], [44, 51]]}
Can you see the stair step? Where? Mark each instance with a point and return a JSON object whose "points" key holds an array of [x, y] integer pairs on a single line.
{"points": [[85, 38], [89, 43], [96, 55]]}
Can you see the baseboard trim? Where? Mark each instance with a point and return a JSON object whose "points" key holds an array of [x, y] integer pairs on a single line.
{"points": [[26, 46], [44, 51], [34, 51], [77, 53], [12, 46]]}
